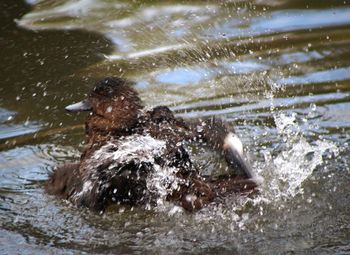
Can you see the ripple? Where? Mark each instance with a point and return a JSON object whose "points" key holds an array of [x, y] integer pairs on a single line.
{"points": [[13, 130], [264, 105], [245, 67], [300, 57], [26, 164], [183, 76], [338, 74], [283, 21], [278, 74]]}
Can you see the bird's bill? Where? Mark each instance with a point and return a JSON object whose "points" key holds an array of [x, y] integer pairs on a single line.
{"points": [[80, 106]]}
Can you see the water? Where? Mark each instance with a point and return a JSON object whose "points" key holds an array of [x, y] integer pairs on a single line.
{"points": [[278, 71]]}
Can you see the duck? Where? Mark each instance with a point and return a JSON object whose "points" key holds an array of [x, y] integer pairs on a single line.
{"points": [[135, 155]]}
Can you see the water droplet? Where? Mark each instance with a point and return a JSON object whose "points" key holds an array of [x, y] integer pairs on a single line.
{"points": [[109, 109], [313, 107]]}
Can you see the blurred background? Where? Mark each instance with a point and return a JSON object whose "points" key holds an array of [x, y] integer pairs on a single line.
{"points": [[278, 71]]}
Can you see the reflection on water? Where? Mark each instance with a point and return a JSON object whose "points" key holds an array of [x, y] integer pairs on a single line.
{"points": [[283, 21], [12, 130], [182, 76], [278, 71], [339, 74]]}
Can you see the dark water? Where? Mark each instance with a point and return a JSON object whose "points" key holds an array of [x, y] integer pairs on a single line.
{"points": [[279, 71]]}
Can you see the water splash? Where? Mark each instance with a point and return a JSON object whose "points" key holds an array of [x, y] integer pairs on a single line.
{"points": [[297, 159], [162, 182], [142, 149], [134, 147]]}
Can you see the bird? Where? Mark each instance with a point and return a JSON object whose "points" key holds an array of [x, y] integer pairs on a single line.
{"points": [[129, 147]]}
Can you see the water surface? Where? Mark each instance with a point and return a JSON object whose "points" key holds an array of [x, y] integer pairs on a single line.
{"points": [[277, 71]]}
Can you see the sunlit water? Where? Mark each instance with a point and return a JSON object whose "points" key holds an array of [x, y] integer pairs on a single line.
{"points": [[277, 71]]}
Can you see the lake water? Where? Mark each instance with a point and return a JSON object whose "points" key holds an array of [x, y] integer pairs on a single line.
{"points": [[277, 71]]}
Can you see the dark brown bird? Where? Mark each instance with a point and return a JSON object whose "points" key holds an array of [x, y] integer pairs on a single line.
{"points": [[136, 156]]}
